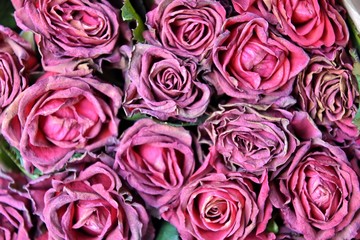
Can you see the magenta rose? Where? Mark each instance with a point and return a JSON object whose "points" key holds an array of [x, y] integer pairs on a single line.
{"points": [[221, 206], [15, 218], [88, 201], [329, 93], [156, 160], [253, 63], [17, 59], [251, 137], [310, 24], [69, 31], [318, 193], [164, 86], [60, 115], [186, 28]]}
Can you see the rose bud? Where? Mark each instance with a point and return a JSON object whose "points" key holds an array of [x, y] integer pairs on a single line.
{"points": [[311, 24], [69, 31], [164, 86], [329, 93], [88, 201], [17, 59], [156, 160], [15, 218], [60, 115], [185, 28], [318, 193], [253, 63]]}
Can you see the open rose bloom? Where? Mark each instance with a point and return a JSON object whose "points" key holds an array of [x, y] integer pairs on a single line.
{"points": [[180, 119]]}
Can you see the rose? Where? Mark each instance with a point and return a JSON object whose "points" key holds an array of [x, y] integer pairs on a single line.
{"points": [[16, 60], [221, 205], [156, 160], [251, 137], [255, 64], [15, 219], [329, 93], [310, 23], [318, 194], [69, 31], [88, 201], [60, 115], [164, 86], [186, 28]]}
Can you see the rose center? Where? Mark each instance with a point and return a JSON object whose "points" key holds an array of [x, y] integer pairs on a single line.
{"points": [[303, 12], [216, 210], [254, 58], [90, 218]]}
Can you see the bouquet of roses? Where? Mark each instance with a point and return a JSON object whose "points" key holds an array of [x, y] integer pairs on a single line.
{"points": [[179, 119]]}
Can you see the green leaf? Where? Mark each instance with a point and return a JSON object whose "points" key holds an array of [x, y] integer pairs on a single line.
{"points": [[19, 163], [11, 159], [128, 13], [355, 35], [136, 117], [6, 156], [272, 226], [356, 72], [6, 14], [167, 232], [357, 119]]}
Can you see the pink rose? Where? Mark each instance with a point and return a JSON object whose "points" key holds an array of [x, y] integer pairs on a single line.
{"points": [[164, 86], [88, 201], [253, 63], [70, 31], [17, 59], [251, 137], [186, 28], [60, 115], [15, 218], [318, 193], [311, 24], [221, 206], [156, 160], [328, 91]]}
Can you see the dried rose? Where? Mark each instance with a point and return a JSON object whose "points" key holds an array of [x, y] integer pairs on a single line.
{"points": [[88, 201], [70, 31], [17, 59], [318, 193], [186, 28], [251, 138], [329, 93], [164, 86], [221, 205], [253, 63], [156, 160], [311, 24], [15, 212], [59, 115]]}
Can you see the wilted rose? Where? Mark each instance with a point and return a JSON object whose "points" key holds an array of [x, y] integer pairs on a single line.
{"points": [[164, 86], [88, 201], [318, 193], [156, 160], [251, 137], [221, 206], [253, 63], [329, 93], [186, 28], [70, 31], [17, 59], [59, 115], [311, 24], [15, 218]]}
